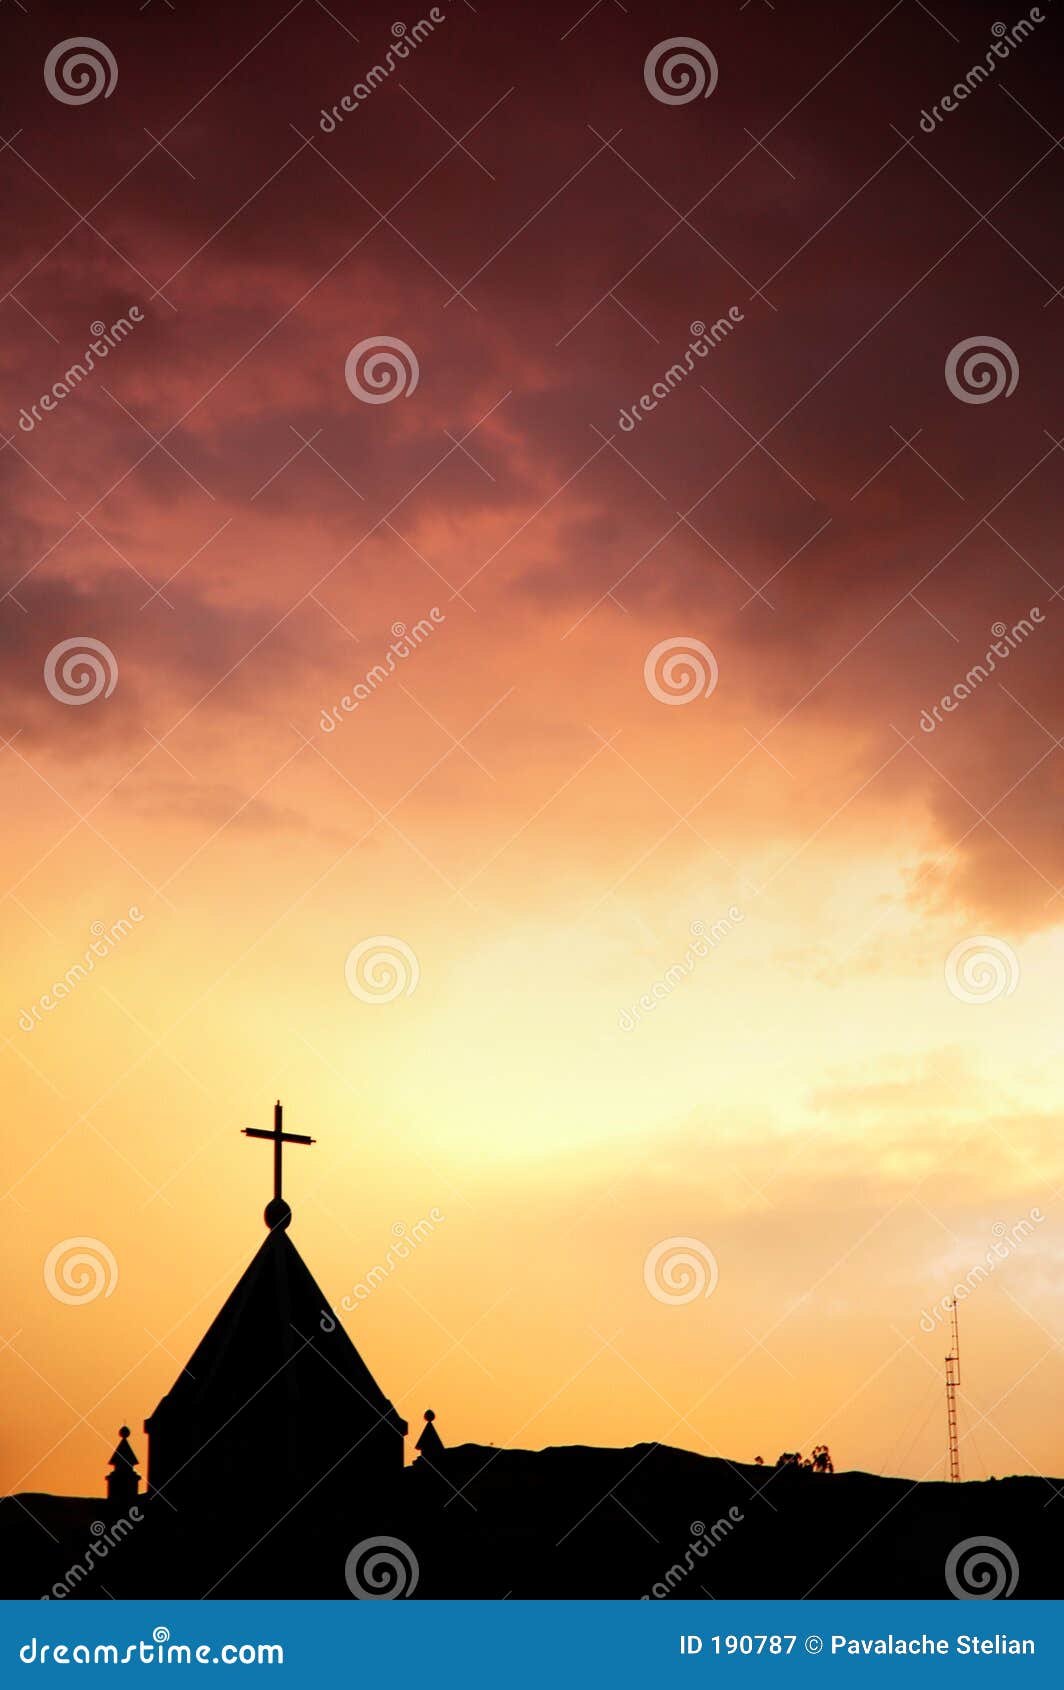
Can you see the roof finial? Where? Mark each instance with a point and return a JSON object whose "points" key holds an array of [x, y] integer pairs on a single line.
{"points": [[430, 1445], [124, 1481], [277, 1213]]}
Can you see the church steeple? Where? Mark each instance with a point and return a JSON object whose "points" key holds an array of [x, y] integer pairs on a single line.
{"points": [[123, 1482], [231, 1433]]}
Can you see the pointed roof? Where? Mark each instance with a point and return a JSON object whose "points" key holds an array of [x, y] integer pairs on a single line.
{"points": [[124, 1451], [275, 1399], [275, 1334]]}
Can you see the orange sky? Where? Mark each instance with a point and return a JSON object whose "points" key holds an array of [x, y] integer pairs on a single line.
{"points": [[546, 834]]}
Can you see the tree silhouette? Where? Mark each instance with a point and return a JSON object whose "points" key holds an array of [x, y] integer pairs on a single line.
{"points": [[819, 1462]]}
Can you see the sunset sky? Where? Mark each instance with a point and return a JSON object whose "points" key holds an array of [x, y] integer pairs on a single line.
{"points": [[815, 1100]]}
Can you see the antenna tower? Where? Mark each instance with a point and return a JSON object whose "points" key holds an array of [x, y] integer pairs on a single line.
{"points": [[953, 1379]]}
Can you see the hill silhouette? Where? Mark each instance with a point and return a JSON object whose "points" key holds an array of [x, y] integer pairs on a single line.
{"points": [[275, 1469], [648, 1521]]}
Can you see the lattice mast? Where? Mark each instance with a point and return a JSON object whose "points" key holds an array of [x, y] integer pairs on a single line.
{"points": [[953, 1380]]}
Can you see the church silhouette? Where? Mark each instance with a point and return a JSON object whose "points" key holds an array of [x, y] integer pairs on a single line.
{"points": [[275, 1468], [276, 1387]]}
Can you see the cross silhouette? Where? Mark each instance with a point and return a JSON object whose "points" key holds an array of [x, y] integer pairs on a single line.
{"points": [[278, 1213]]}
